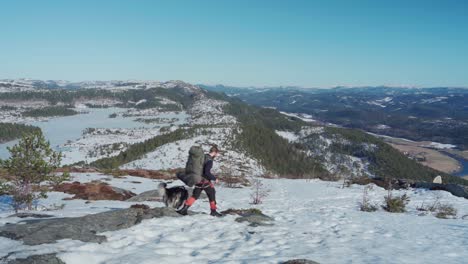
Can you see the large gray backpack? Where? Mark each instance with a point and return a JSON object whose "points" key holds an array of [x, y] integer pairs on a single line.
{"points": [[194, 168]]}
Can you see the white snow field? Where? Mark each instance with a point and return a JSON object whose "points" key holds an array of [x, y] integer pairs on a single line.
{"points": [[314, 219]]}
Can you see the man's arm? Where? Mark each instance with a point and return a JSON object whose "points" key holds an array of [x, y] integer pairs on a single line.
{"points": [[207, 171]]}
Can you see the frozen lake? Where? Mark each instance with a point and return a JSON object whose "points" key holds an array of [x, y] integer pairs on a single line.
{"points": [[61, 129]]}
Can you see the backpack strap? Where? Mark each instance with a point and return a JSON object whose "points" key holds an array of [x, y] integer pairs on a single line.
{"points": [[207, 158]]}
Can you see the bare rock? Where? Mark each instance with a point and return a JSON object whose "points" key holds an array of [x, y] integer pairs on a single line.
{"points": [[455, 189], [300, 261], [150, 174], [254, 217], [38, 259], [152, 195], [94, 191], [32, 215], [85, 228]]}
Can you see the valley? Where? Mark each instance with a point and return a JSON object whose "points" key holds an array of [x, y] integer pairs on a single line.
{"points": [[125, 138]]}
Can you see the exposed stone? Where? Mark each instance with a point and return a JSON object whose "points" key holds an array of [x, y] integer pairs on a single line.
{"points": [[455, 189], [85, 228], [384, 182], [141, 206], [94, 191], [151, 174], [38, 259], [76, 169], [300, 261], [33, 215], [255, 217], [152, 195]]}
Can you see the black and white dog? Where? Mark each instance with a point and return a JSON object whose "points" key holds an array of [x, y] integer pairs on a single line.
{"points": [[174, 197]]}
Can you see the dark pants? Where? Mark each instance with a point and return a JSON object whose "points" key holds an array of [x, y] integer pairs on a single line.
{"points": [[210, 191]]}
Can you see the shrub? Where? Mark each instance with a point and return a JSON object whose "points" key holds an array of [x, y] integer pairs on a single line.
{"points": [[446, 211], [31, 163], [260, 192], [366, 205], [58, 179], [440, 210], [395, 204], [430, 207]]}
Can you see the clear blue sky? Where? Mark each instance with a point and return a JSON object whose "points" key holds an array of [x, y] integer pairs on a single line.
{"points": [[260, 43]]}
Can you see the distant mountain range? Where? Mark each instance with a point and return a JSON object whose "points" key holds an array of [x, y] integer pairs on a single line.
{"points": [[433, 114]]}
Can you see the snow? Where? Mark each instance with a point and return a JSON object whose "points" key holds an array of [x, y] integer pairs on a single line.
{"points": [[171, 155], [140, 102], [88, 148], [313, 219], [290, 136], [302, 116], [377, 104], [382, 126], [206, 111], [174, 155], [434, 100], [441, 145]]}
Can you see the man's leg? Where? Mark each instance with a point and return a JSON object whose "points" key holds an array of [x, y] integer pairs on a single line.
{"points": [[195, 195], [211, 193]]}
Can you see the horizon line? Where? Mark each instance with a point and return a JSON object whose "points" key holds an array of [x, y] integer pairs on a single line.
{"points": [[246, 86]]}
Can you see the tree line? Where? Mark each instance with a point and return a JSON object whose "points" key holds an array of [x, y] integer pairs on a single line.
{"points": [[385, 161], [50, 111], [11, 131]]}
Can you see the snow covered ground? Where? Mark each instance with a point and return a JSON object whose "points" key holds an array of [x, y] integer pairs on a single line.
{"points": [[315, 220], [302, 116], [290, 136]]}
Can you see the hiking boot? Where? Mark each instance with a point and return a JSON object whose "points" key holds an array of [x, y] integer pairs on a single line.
{"points": [[215, 213], [184, 210]]}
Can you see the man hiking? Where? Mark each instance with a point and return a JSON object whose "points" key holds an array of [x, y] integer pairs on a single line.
{"points": [[206, 184]]}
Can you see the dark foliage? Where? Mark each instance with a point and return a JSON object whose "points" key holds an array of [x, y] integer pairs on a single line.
{"points": [[50, 111], [10, 131], [385, 161], [258, 137]]}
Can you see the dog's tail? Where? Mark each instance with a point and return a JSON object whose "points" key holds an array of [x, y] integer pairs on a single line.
{"points": [[162, 189]]}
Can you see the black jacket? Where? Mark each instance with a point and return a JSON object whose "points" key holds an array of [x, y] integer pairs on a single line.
{"points": [[207, 168]]}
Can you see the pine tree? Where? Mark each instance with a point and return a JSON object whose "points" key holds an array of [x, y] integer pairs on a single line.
{"points": [[31, 163]]}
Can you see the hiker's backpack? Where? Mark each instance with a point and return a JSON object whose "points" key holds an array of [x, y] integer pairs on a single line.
{"points": [[194, 168]]}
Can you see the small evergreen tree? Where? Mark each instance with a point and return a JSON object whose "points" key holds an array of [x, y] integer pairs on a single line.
{"points": [[31, 163]]}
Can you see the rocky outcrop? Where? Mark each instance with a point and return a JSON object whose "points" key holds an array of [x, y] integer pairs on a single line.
{"points": [[85, 228], [38, 259], [154, 195], [151, 174], [94, 191], [254, 217], [76, 169], [32, 215], [300, 261], [151, 195], [455, 189], [385, 183]]}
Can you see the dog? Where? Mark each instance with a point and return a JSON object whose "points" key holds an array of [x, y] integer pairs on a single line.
{"points": [[173, 197]]}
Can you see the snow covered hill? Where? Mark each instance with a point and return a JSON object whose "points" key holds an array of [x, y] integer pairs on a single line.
{"points": [[149, 125], [312, 219]]}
